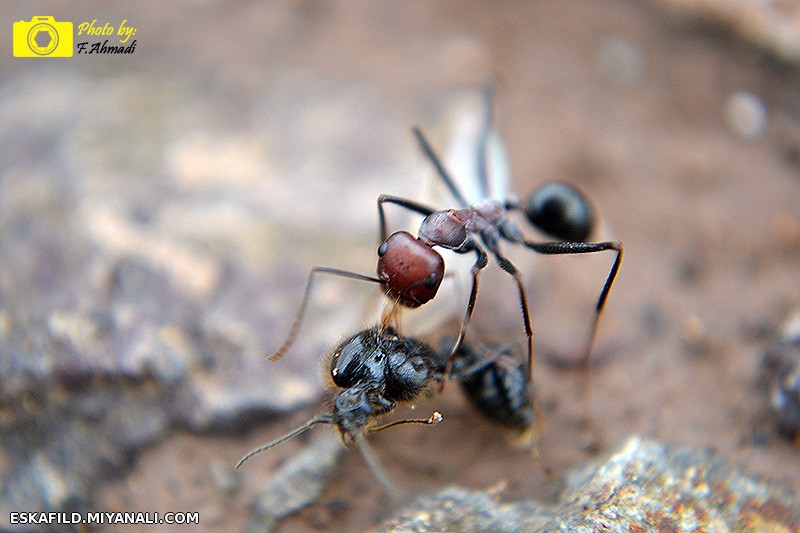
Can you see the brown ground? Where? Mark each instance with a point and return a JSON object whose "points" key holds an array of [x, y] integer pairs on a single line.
{"points": [[709, 220]]}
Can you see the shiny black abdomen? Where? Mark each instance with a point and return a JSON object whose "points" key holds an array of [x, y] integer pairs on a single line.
{"points": [[496, 386]]}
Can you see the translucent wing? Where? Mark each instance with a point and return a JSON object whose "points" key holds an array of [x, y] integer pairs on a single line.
{"points": [[476, 156]]}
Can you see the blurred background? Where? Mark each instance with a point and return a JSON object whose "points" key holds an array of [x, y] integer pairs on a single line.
{"points": [[160, 210]]}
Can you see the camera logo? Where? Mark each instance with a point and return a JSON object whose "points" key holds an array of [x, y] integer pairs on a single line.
{"points": [[42, 37]]}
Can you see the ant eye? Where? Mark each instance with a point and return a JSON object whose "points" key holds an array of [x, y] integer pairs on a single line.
{"points": [[382, 248]]}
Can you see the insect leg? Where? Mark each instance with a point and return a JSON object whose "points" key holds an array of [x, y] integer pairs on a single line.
{"points": [[509, 267], [480, 262], [554, 248], [437, 164]]}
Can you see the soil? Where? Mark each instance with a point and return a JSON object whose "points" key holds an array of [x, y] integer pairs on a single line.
{"points": [[708, 216]]}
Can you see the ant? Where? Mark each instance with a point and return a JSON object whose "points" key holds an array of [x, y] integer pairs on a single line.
{"points": [[410, 270], [376, 368]]}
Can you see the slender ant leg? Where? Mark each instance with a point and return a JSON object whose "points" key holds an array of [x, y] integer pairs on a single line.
{"points": [[557, 248], [480, 263], [304, 303], [509, 267]]}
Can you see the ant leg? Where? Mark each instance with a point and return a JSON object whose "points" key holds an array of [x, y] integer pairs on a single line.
{"points": [[302, 311], [509, 267], [437, 164], [480, 262], [554, 248], [375, 466], [411, 205]]}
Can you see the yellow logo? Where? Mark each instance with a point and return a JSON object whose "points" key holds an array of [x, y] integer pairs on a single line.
{"points": [[43, 37]]}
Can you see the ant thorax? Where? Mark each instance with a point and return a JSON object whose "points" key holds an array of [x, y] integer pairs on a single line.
{"points": [[489, 210]]}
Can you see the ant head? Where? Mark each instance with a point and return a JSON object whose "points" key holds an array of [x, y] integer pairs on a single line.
{"points": [[357, 360], [352, 410], [562, 211], [410, 271]]}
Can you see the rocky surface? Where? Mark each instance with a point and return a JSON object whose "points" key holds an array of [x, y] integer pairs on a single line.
{"points": [[645, 486]]}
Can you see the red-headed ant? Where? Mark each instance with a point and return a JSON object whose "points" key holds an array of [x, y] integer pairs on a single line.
{"points": [[410, 270], [376, 368]]}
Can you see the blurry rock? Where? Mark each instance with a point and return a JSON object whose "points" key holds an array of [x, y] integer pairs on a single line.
{"points": [[645, 486], [146, 271], [298, 483], [780, 371]]}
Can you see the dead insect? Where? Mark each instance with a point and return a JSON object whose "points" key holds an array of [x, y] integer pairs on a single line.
{"points": [[377, 368]]}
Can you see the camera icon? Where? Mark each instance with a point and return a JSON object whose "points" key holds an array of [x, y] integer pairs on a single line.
{"points": [[42, 37]]}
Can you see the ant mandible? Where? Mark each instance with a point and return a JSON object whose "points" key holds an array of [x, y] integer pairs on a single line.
{"points": [[410, 274]]}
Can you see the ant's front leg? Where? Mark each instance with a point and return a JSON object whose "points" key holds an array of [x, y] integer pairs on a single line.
{"points": [[480, 263]]}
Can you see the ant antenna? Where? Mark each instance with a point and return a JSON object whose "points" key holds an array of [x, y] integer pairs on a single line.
{"points": [[322, 419], [304, 303], [375, 466], [435, 418]]}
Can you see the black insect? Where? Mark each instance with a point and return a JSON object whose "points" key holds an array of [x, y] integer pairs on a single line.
{"points": [[495, 382], [410, 271], [376, 369]]}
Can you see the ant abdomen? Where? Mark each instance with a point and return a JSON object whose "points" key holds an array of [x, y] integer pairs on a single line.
{"points": [[562, 211], [495, 383]]}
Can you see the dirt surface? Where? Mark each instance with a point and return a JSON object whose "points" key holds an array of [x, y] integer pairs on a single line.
{"points": [[618, 97]]}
